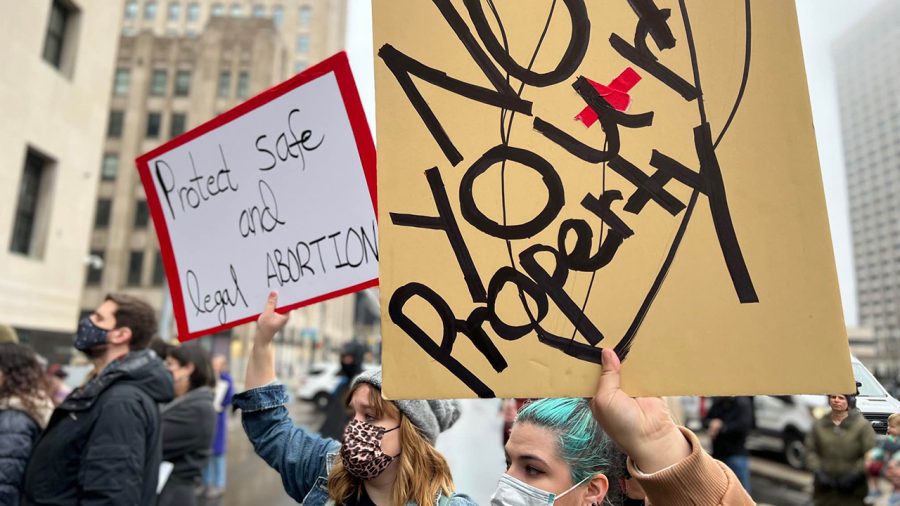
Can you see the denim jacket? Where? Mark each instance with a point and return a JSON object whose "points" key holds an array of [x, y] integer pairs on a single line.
{"points": [[303, 459]]}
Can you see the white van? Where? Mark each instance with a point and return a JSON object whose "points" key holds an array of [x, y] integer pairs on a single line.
{"points": [[783, 421]]}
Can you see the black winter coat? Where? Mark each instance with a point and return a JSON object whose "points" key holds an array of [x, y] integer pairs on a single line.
{"points": [[737, 418], [189, 425], [18, 432], [103, 445]]}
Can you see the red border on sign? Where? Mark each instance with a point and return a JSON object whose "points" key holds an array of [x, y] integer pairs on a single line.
{"points": [[364, 144]]}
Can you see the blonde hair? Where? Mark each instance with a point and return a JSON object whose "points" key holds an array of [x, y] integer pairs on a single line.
{"points": [[894, 420], [422, 472]]}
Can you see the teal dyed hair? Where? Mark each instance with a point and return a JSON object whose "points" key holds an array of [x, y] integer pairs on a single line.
{"points": [[582, 443]]}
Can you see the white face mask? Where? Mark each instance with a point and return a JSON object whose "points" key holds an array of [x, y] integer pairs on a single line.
{"points": [[513, 492]]}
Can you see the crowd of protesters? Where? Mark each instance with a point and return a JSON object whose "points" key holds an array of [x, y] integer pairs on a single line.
{"points": [[149, 426]]}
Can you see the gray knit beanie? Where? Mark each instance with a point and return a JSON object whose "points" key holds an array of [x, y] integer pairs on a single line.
{"points": [[430, 417]]}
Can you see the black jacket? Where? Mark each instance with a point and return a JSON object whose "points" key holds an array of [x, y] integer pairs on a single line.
{"points": [[18, 432], [736, 414], [103, 445], [188, 428]]}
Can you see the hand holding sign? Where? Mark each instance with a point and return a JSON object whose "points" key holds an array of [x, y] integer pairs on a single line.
{"points": [[269, 321], [642, 427]]}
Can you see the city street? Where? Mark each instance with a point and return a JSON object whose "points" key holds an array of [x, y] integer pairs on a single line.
{"points": [[473, 449]]}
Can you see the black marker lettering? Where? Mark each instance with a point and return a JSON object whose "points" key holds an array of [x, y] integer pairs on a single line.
{"points": [[446, 221]]}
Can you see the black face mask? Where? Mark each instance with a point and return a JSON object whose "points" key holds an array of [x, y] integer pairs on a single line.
{"points": [[350, 370], [89, 336]]}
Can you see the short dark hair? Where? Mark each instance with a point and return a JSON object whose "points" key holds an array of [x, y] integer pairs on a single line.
{"points": [[137, 315], [193, 353]]}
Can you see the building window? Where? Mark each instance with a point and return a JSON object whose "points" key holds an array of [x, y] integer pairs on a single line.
{"points": [[27, 207], [141, 214], [259, 10], [278, 15], [135, 268], [182, 83], [114, 127], [110, 166], [302, 43], [121, 82], [159, 272], [224, 84], [150, 10], [154, 120], [95, 268], [158, 83], [217, 10], [101, 215], [243, 85], [131, 9], [299, 66], [193, 11], [178, 125], [174, 11], [61, 16], [305, 16], [237, 10]]}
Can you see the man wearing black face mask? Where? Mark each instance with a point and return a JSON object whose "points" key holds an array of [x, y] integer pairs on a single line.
{"points": [[102, 445]]}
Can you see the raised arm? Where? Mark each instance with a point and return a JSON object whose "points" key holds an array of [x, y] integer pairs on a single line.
{"points": [[299, 456], [261, 366]]}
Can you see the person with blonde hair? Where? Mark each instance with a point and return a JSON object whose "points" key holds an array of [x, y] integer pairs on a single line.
{"points": [[387, 455]]}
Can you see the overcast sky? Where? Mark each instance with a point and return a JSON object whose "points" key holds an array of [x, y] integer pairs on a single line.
{"points": [[821, 21]]}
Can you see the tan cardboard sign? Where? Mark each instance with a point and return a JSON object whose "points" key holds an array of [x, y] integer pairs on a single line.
{"points": [[556, 177]]}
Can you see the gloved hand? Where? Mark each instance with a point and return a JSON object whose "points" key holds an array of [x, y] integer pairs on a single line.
{"points": [[847, 483], [822, 480]]}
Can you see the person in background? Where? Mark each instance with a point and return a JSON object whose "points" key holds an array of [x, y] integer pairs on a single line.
{"points": [[160, 347], [728, 423], [56, 378], [25, 409], [336, 413], [188, 424], [836, 447], [880, 456], [214, 475], [387, 456], [103, 444]]}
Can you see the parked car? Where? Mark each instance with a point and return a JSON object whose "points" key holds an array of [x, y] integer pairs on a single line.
{"points": [[321, 381], [783, 421]]}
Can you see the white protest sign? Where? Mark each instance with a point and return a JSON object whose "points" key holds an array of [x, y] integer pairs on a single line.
{"points": [[276, 194]]}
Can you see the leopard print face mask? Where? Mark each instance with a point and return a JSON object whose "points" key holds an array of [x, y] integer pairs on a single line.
{"points": [[361, 451]]}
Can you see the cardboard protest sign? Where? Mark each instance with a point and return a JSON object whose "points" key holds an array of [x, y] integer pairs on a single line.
{"points": [[558, 177], [278, 193]]}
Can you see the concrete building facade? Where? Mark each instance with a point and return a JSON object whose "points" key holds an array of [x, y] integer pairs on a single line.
{"points": [[310, 30], [867, 77], [54, 93]]}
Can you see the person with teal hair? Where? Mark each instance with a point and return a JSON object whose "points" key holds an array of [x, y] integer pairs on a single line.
{"points": [[568, 451]]}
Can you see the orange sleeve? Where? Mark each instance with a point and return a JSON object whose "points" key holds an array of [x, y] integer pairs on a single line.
{"points": [[698, 480]]}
